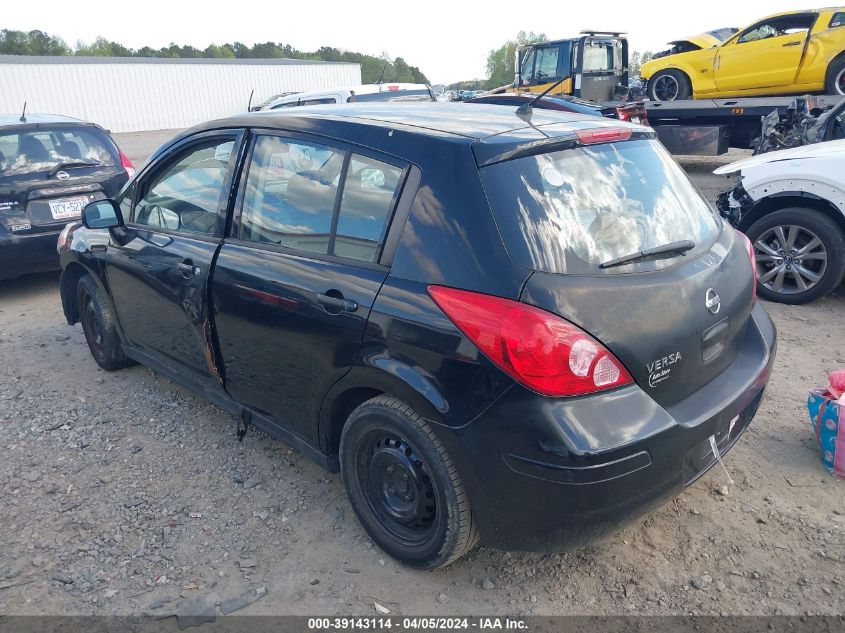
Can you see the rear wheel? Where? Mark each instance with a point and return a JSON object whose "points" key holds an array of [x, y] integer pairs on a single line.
{"points": [[835, 80], [403, 486], [800, 255], [669, 85], [98, 323]]}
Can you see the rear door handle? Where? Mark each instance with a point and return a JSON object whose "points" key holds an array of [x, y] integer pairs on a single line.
{"points": [[792, 44], [187, 269], [336, 305]]}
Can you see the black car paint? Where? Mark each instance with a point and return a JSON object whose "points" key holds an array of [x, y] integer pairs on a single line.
{"points": [[592, 459], [28, 233]]}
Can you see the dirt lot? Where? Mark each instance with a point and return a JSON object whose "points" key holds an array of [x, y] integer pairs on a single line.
{"points": [[123, 494]]}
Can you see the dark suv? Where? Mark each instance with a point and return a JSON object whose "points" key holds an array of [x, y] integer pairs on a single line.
{"points": [[522, 330], [50, 167]]}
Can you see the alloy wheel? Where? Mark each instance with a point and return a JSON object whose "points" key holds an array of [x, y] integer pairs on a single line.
{"points": [[666, 88], [840, 82], [790, 259]]}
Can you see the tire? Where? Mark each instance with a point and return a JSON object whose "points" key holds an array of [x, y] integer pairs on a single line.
{"points": [[98, 323], [800, 255], [835, 79], [669, 85], [403, 486]]}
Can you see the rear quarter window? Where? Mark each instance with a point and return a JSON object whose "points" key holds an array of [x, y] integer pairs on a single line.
{"points": [[569, 211], [838, 19]]}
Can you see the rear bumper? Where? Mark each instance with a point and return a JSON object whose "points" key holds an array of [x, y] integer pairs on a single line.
{"points": [[30, 253], [547, 475]]}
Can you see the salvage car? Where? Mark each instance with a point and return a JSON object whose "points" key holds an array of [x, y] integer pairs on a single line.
{"points": [[456, 307], [633, 112], [791, 205], [50, 168], [805, 121], [786, 53]]}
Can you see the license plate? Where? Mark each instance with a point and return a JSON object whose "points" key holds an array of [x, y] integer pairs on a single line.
{"points": [[65, 208]]}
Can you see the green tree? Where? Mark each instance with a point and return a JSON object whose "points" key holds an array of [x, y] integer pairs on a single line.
{"points": [[31, 43]]}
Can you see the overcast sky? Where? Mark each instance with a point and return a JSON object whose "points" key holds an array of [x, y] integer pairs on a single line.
{"points": [[448, 40]]}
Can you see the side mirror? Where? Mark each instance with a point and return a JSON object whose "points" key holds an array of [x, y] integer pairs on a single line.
{"points": [[102, 214]]}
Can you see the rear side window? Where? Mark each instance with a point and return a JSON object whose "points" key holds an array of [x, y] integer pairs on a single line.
{"points": [[369, 195], [571, 210], [296, 197], [44, 149], [838, 19]]}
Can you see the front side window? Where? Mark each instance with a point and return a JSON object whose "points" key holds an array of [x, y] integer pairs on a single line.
{"points": [[787, 25], [545, 68], [44, 149], [295, 198], [185, 195]]}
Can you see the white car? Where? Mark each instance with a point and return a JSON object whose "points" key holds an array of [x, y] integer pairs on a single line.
{"points": [[791, 205], [366, 92]]}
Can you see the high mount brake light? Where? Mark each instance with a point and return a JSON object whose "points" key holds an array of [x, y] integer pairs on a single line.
{"points": [[537, 348], [749, 248], [592, 136]]}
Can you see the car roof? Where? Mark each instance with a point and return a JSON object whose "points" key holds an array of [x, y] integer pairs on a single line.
{"points": [[363, 89], [12, 120], [434, 119]]}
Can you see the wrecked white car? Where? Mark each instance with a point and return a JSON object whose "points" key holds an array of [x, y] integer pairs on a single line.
{"points": [[791, 205]]}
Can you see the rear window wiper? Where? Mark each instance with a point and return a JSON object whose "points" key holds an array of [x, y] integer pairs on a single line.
{"points": [[73, 163], [656, 252]]}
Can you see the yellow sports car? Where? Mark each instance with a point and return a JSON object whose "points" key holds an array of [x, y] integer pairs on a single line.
{"points": [[787, 53]]}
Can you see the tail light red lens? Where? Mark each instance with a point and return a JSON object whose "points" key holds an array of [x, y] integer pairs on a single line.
{"points": [[126, 164], [537, 348], [749, 248]]}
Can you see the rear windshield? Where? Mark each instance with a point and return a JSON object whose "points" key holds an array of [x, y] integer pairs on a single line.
{"points": [[395, 95], [42, 149], [571, 210]]}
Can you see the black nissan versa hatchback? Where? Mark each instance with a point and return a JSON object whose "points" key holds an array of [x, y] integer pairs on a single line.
{"points": [[50, 167], [522, 330]]}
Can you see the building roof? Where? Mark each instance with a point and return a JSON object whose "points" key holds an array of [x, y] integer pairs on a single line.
{"points": [[74, 59]]}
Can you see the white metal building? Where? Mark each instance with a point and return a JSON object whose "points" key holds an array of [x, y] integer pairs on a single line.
{"points": [[129, 94]]}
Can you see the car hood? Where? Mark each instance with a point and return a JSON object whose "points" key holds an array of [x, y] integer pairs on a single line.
{"points": [[831, 150], [702, 40]]}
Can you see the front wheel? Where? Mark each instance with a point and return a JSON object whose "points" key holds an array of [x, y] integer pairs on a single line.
{"points": [[403, 486], [669, 85], [800, 255], [98, 323]]}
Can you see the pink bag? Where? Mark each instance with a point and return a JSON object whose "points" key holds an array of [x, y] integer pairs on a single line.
{"points": [[828, 419]]}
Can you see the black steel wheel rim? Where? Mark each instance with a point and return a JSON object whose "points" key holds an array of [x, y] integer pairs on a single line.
{"points": [[791, 259], [666, 88], [398, 488], [95, 327]]}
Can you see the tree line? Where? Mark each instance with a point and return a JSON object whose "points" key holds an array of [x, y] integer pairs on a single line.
{"points": [[500, 63], [373, 68]]}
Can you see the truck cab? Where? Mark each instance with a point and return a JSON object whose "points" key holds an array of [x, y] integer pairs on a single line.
{"points": [[593, 66]]}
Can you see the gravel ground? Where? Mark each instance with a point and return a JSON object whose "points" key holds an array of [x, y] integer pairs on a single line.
{"points": [[124, 494]]}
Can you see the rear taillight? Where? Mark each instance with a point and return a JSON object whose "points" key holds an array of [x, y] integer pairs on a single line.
{"points": [[126, 164], [537, 348], [749, 248], [602, 135]]}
